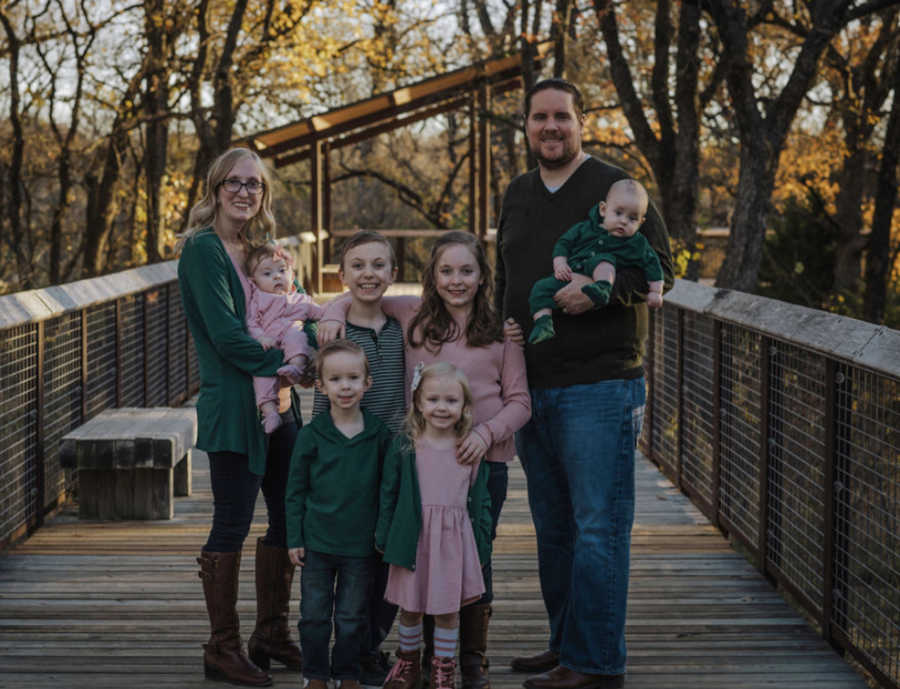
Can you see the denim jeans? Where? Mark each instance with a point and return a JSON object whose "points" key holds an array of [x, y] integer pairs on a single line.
{"points": [[380, 614], [235, 488], [333, 586], [578, 454], [498, 480]]}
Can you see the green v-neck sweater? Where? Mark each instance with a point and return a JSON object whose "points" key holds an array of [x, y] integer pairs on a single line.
{"points": [[602, 344], [213, 299]]}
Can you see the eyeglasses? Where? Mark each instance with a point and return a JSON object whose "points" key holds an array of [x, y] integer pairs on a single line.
{"points": [[233, 186]]}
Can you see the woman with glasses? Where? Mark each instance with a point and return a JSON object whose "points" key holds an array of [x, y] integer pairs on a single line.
{"points": [[234, 214]]}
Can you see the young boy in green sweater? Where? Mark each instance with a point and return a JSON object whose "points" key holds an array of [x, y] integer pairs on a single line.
{"points": [[332, 506]]}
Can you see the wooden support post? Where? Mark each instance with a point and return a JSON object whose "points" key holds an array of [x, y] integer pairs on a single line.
{"points": [[717, 425], [327, 220], [484, 160], [84, 365], [40, 479], [765, 345], [473, 165], [316, 212], [146, 343], [119, 352]]}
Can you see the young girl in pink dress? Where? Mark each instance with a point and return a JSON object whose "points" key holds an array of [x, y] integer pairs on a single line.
{"points": [[455, 321], [434, 523]]}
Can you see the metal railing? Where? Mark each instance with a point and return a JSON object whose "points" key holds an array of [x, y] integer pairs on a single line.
{"points": [[66, 354], [70, 351], [782, 424]]}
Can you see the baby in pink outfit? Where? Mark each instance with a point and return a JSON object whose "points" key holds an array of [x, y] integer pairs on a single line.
{"points": [[272, 314]]}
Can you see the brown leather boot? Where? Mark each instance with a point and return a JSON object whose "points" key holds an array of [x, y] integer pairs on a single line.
{"points": [[272, 638], [223, 657], [406, 673], [473, 631], [443, 673]]}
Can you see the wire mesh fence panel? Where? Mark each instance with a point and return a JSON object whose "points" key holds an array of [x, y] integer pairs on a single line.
{"points": [[131, 358], [795, 540], [155, 305], [741, 419], [867, 516], [665, 388], [177, 333], [698, 388], [101, 358], [62, 397], [18, 427]]}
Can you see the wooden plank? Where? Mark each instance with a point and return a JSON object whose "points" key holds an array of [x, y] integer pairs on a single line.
{"points": [[114, 604]]}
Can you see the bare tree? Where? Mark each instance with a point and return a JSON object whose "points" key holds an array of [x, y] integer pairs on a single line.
{"points": [[764, 123]]}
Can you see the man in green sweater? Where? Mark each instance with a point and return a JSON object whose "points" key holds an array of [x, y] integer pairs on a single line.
{"points": [[587, 391]]}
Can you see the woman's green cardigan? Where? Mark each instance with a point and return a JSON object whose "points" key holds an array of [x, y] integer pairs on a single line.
{"points": [[213, 299], [400, 508]]}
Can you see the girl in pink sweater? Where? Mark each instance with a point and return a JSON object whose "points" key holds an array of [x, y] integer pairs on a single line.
{"points": [[454, 321]]}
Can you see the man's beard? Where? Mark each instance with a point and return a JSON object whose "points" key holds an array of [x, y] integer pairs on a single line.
{"points": [[567, 155]]}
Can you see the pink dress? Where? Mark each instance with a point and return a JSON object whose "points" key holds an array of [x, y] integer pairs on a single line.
{"points": [[448, 571]]}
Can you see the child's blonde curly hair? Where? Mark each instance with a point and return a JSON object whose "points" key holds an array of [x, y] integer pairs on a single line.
{"points": [[415, 422]]}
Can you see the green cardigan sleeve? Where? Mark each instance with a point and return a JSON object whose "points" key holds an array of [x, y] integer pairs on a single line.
{"points": [[390, 487], [206, 273], [305, 452], [479, 504], [571, 238]]}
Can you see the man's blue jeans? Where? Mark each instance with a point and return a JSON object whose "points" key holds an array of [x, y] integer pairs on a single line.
{"points": [[578, 454], [339, 584]]}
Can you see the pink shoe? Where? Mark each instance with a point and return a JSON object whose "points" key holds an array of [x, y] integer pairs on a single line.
{"points": [[404, 673]]}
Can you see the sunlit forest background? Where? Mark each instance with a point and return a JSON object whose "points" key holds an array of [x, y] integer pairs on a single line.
{"points": [[768, 131]]}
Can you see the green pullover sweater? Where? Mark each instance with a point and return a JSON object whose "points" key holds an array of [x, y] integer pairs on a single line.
{"points": [[332, 490], [603, 344]]}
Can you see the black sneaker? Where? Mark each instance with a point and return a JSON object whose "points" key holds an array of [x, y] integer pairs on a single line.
{"points": [[374, 668]]}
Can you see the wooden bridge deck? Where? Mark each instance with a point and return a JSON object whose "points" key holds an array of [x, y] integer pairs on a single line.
{"points": [[102, 604]]}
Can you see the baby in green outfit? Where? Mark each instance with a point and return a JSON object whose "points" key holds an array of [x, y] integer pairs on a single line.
{"points": [[598, 249]]}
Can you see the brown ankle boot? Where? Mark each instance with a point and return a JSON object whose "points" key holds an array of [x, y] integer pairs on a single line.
{"points": [[443, 673], [406, 672], [223, 657], [272, 638], [473, 631]]}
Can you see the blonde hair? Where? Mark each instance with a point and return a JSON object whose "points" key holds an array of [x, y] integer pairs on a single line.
{"points": [[203, 215], [337, 346], [415, 422]]}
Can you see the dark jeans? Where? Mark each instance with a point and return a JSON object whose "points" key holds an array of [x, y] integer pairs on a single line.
{"points": [[578, 454], [235, 489], [380, 614], [498, 480], [333, 586]]}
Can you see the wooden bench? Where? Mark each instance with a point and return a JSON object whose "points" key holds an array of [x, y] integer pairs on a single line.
{"points": [[132, 461]]}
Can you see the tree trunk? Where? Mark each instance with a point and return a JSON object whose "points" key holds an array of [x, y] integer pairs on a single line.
{"points": [[14, 182], [848, 218], [156, 135], [756, 182], [878, 252]]}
